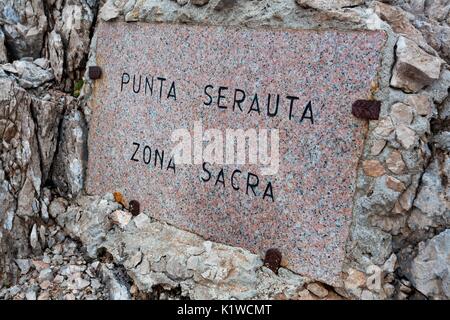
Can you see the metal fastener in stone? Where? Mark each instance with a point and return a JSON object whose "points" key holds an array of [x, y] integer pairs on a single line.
{"points": [[134, 207], [95, 72], [366, 109], [272, 260]]}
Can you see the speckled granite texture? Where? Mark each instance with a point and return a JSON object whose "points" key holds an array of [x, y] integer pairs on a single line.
{"points": [[308, 220]]}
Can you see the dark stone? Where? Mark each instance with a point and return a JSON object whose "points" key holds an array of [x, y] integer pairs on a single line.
{"points": [[366, 109], [134, 207], [272, 260], [224, 5]]}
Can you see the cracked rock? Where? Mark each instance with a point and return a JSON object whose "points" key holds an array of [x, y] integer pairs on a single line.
{"points": [[430, 270], [69, 165], [31, 75], [24, 28], [329, 5], [414, 68]]}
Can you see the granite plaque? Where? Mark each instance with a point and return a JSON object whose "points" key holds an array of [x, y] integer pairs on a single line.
{"points": [[244, 136]]}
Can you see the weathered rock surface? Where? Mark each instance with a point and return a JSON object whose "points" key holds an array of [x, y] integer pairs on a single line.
{"points": [[56, 54], [30, 129], [328, 5], [433, 197], [25, 24], [69, 166], [87, 220], [60, 272], [414, 68], [430, 270], [3, 52], [73, 21], [31, 75]]}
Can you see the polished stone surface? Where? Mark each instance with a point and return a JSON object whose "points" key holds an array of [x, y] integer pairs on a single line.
{"points": [[309, 217]]}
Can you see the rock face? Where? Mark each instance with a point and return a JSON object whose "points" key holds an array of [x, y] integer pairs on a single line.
{"points": [[29, 125], [401, 201], [430, 270], [31, 75], [432, 200], [72, 28], [87, 220], [56, 54], [414, 68], [24, 28], [3, 52], [69, 166]]}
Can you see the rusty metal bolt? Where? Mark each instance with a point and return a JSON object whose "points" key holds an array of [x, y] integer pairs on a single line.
{"points": [[94, 72], [366, 109], [272, 260], [134, 207]]}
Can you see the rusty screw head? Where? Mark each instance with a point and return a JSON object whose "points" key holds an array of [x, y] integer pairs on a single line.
{"points": [[134, 207], [272, 260], [366, 109], [94, 72]]}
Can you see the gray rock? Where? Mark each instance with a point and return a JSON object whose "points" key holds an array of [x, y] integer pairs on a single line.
{"points": [[437, 35], [14, 290], [31, 75], [69, 166], [42, 62], [87, 220], [56, 54], [34, 241], [437, 9], [24, 265], [24, 28], [42, 238], [432, 196], [48, 115], [73, 22], [117, 289], [31, 294], [442, 140], [29, 129], [95, 284], [203, 269], [46, 275], [70, 269], [430, 270], [3, 52], [80, 283], [109, 11], [57, 206]]}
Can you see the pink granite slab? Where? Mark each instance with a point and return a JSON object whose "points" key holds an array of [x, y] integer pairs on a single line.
{"points": [[309, 219]]}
